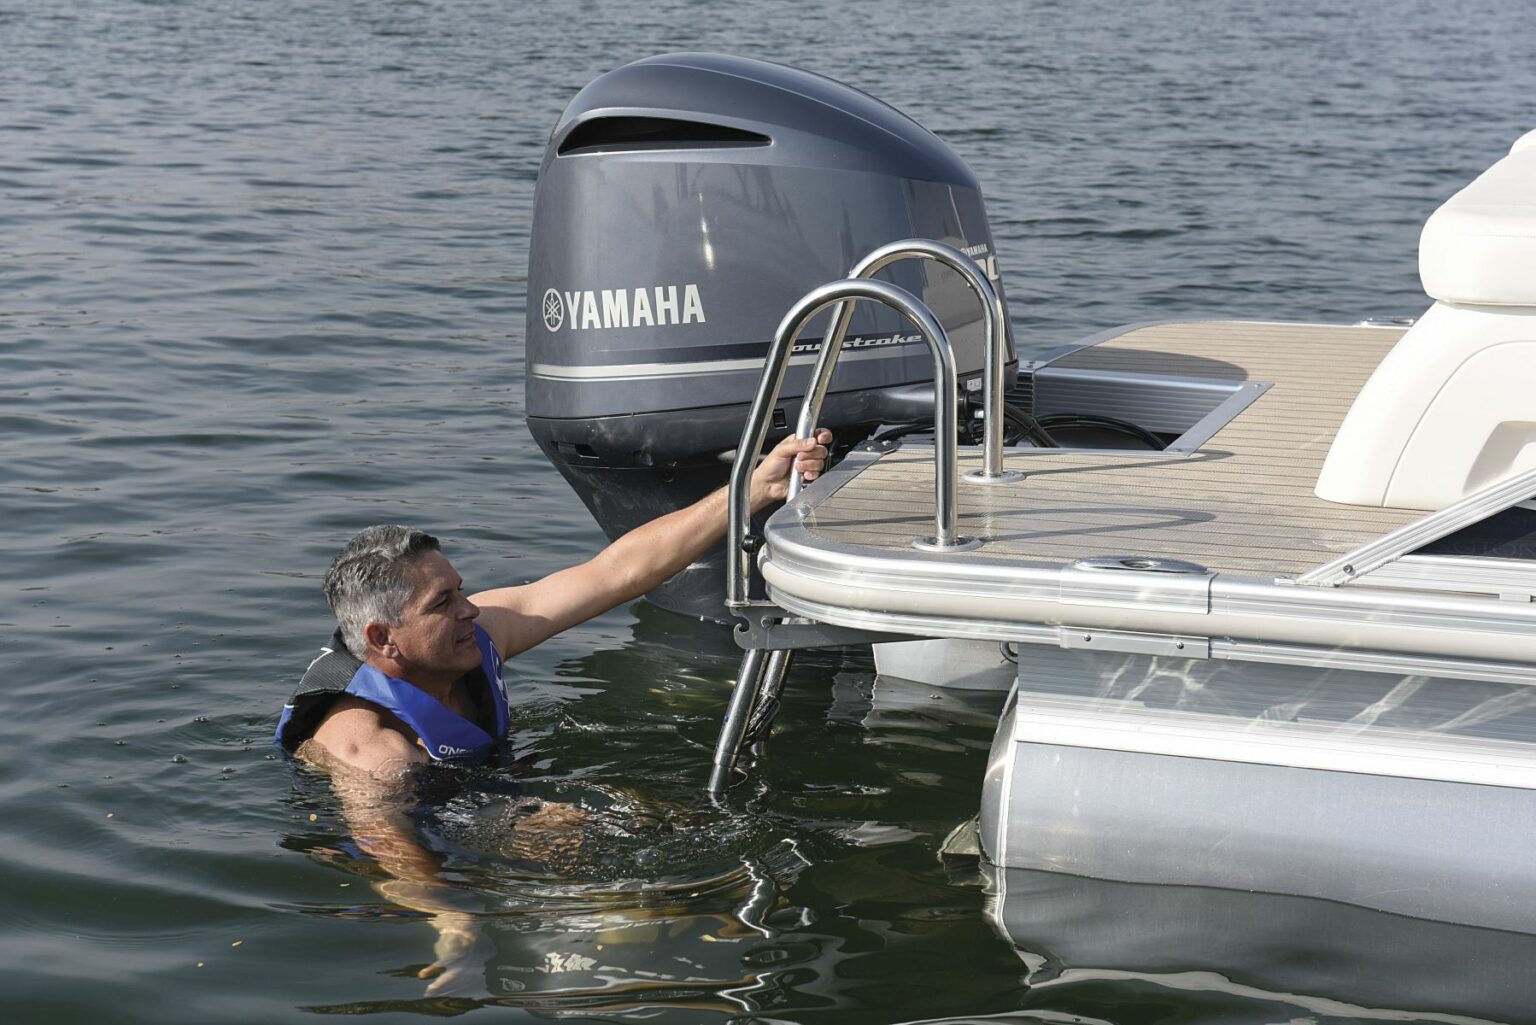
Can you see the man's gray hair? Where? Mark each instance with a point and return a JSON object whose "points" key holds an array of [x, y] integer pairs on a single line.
{"points": [[369, 580]]}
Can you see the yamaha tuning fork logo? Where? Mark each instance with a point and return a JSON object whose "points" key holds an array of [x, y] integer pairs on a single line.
{"points": [[596, 309], [554, 310]]}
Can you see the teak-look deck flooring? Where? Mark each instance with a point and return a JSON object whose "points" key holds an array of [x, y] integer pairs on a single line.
{"points": [[1242, 504]]}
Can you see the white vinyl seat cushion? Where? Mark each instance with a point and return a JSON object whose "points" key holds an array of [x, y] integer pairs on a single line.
{"points": [[1479, 248]]}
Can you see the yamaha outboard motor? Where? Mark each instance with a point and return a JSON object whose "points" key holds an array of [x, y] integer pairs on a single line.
{"points": [[684, 203]]}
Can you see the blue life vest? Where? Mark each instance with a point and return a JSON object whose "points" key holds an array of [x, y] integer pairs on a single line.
{"points": [[446, 735]]}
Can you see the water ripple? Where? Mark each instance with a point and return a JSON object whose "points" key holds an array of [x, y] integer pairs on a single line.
{"points": [[263, 284]]}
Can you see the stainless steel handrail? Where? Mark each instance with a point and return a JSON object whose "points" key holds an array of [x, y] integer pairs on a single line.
{"points": [[945, 538], [995, 320], [1463, 512], [749, 681]]}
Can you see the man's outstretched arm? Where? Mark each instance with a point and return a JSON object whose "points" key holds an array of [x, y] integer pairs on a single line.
{"points": [[517, 618]]}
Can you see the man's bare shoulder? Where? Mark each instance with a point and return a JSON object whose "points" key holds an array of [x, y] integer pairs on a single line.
{"points": [[360, 735]]}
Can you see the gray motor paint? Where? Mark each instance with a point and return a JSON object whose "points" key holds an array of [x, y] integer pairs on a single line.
{"points": [[743, 184]]}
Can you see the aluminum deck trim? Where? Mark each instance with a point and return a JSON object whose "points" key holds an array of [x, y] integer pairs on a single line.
{"points": [[1225, 649], [795, 552], [894, 591], [1466, 573]]}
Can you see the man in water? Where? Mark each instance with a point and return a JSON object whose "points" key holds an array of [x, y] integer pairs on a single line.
{"points": [[414, 672]]}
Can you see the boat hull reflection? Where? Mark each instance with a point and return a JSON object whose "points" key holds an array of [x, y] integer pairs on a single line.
{"points": [[1256, 954]]}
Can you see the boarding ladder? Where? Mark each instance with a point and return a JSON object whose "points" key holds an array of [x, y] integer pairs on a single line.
{"points": [[769, 634]]}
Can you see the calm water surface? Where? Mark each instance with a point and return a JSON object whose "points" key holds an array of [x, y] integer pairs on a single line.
{"points": [[262, 283]]}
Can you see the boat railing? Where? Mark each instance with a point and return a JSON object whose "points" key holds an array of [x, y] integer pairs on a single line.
{"points": [[761, 674], [742, 547], [994, 320], [843, 295], [1473, 508]]}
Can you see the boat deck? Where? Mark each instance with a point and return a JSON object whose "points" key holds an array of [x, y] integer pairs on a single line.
{"points": [[1242, 503]]}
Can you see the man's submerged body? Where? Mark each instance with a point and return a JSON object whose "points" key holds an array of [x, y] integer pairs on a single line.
{"points": [[404, 615]]}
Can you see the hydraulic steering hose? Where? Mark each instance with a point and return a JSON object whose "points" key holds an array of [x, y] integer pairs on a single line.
{"points": [[1022, 425], [1061, 421]]}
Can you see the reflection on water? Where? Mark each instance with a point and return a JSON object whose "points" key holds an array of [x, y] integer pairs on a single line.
{"points": [[263, 283], [623, 902], [602, 892], [679, 945], [1227, 955], [813, 891], [594, 895], [581, 833]]}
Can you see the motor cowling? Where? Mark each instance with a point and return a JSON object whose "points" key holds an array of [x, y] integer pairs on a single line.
{"points": [[684, 203]]}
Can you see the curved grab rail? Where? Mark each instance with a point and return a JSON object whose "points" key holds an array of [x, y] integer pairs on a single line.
{"points": [[994, 318], [945, 538]]}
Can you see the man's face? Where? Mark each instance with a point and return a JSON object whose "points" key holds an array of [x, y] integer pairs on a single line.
{"points": [[436, 632]]}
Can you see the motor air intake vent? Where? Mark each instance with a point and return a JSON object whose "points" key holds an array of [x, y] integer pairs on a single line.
{"points": [[618, 134]]}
